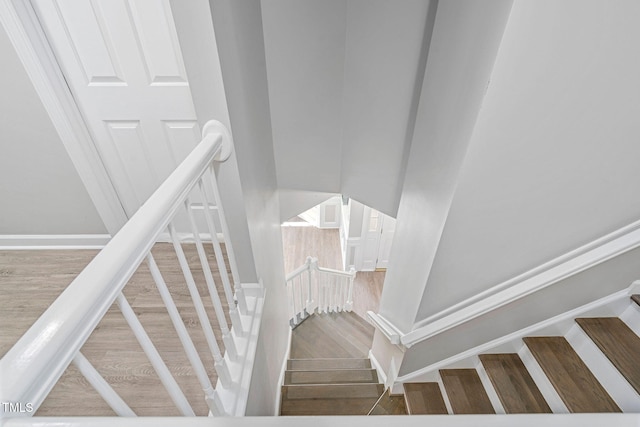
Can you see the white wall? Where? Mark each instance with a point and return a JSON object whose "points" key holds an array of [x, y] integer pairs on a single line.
{"points": [[553, 161], [294, 202], [238, 29], [344, 76], [40, 190], [304, 45], [463, 46]]}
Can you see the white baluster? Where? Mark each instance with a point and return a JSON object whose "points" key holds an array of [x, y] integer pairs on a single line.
{"points": [[237, 286], [222, 267], [102, 387], [349, 305], [154, 357], [212, 399], [229, 344]]}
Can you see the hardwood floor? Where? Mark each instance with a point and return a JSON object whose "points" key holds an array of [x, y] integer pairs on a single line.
{"points": [[324, 244], [31, 280]]}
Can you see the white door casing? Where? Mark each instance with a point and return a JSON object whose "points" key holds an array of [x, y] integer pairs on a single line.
{"points": [[386, 238], [123, 64], [377, 235]]}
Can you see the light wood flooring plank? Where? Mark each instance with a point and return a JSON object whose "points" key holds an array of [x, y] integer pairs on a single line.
{"points": [[31, 280]]}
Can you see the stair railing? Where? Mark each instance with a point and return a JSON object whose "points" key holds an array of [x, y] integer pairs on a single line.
{"points": [[316, 289], [33, 366]]}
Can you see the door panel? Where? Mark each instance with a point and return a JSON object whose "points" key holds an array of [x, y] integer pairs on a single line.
{"points": [[123, 63]]}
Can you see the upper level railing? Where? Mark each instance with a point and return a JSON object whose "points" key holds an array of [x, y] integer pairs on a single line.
{"points": [[35, 363], [312, 288]]}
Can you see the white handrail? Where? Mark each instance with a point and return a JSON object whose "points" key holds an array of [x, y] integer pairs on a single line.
{"points": [[312, 288], [32, 367]]}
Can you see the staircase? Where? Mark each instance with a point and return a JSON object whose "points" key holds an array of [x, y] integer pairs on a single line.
{"points": [[595, 367], [328, 372]]}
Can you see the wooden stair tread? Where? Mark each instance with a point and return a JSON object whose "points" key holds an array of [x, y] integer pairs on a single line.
{"points": [[328, 364], [465, 391], [618, 342], [390, 404], [333, 376], [574, 382], [636, 298], [332, 391], [424, 398], [329, 399], [306, 407], [516, 389]]}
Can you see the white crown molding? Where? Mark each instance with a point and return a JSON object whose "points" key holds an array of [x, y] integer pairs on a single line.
{"points": [[29, 40], [53, 241]]}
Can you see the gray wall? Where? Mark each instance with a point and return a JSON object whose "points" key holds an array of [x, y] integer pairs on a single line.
{"points": [[40, 190], [553, 161]]}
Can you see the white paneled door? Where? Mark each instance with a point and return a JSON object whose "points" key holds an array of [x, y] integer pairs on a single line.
{"points": [[123, 63]]}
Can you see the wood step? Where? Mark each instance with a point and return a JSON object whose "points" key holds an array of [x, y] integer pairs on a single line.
{"points": [[465, 391], [334, 376], [516, 390], [636, 298], [424, 398], [327, 364], [389, 404], [578, 388], [342, 399], [618, 342]]}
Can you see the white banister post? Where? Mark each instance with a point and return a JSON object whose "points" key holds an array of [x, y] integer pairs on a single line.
{"points": [[222, 267], [310, 266], [154, 357], [183, 334], [229, 344], [349, 305], [237, 286], [102, 387]]}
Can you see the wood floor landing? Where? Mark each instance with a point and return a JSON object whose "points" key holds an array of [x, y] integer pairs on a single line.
{"points": [[334, 335], [31, 280]]}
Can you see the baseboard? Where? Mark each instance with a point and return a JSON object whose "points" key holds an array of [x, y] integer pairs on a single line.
{"points": [[53, 241], [281, 378], [382, 375]]}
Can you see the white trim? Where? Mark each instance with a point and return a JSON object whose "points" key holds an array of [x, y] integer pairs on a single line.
{"points": [[517, 335], [29, 40], [188, 237], [53, 241], [282, 371], [382, 375], [550, 273], [520, 420], [386, 327]]}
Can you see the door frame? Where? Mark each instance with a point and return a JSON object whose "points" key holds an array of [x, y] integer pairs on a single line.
{"points": [[23, 28]]}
